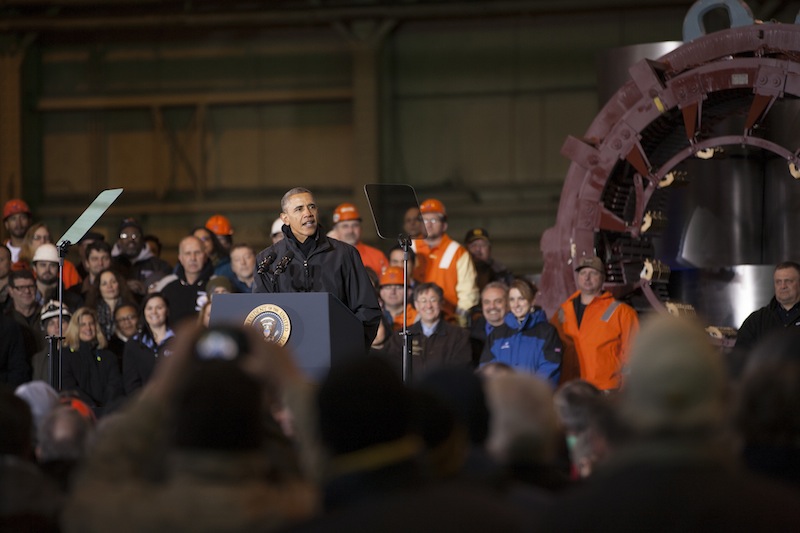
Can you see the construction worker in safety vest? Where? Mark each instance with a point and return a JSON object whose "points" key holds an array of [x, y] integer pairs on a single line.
{"points": [[595, 329], [390, 287], [443, 261], [347, 228]]}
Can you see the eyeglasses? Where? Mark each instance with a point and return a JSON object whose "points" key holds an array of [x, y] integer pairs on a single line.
{"points": [[127, 318], [24, 287], [432, 220], [130, 236]]}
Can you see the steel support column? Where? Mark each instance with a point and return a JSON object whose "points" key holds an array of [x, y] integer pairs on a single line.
{"points": [[365, 39], [11, 56]]}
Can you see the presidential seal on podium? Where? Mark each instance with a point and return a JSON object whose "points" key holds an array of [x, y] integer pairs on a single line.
{"points": [[272, 321]]}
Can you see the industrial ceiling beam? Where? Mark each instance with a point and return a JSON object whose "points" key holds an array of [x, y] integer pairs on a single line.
{"points": [[162, 15]]}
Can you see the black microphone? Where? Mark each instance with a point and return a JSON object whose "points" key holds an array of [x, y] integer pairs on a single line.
{"points": [[266, 262], [284, 262]]}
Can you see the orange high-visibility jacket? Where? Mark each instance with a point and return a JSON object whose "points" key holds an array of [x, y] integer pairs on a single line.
{"points": [[449, 265], [411, 318], [602, 341]]}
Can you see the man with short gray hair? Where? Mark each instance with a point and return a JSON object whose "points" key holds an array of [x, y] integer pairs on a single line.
{"points": [[782, 312], [185, 290]]}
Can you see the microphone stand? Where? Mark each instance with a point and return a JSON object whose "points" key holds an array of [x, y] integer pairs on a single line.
{"points": [[54, 344], [405, 243], [263, 271], [281, 268]]}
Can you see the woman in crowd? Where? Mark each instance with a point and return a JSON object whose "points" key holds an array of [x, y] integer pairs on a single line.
{"points": [[526, 341], [149, 345], [37, 235], [108, 292], [521, 294], [215, 252], [88, 367]]}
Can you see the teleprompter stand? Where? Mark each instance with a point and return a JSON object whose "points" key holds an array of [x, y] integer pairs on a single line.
{"points": [[389, 204], [74, 234]]}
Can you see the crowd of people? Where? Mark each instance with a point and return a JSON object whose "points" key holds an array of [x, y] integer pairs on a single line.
{"points": [[509, 418]]}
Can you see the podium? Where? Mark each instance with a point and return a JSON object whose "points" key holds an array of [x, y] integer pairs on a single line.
{"points": [[322, 331]]}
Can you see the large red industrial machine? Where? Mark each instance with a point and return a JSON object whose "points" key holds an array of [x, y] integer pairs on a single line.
{"points": [[686, 183]]}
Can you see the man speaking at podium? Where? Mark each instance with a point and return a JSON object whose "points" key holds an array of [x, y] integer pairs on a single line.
{"points": [[308, 261]]}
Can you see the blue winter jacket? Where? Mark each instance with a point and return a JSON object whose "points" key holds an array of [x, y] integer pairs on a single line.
{"points": [[533, 346]]}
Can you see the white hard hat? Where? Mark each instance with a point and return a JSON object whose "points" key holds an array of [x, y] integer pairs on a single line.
{"points": [[46, 252], [50, 310], [276, 226]]}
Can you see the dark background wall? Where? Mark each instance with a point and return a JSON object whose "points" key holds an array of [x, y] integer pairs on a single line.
{"points": [[213, 108]]}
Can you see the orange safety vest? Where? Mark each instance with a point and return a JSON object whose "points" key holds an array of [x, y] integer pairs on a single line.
{"points": [[440, 265], [372, 258], [411, 318]]}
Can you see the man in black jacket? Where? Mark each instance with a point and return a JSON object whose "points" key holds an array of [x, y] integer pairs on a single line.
{"points": [[134, 260], [14, 367], [185, 290], [783, 311], [308, 261]]}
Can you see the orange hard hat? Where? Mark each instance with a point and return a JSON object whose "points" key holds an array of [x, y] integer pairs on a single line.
{"points": [[219, 225], [391, 276], [14, 206], [432, 205], [80, 406], [345, 212]]}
